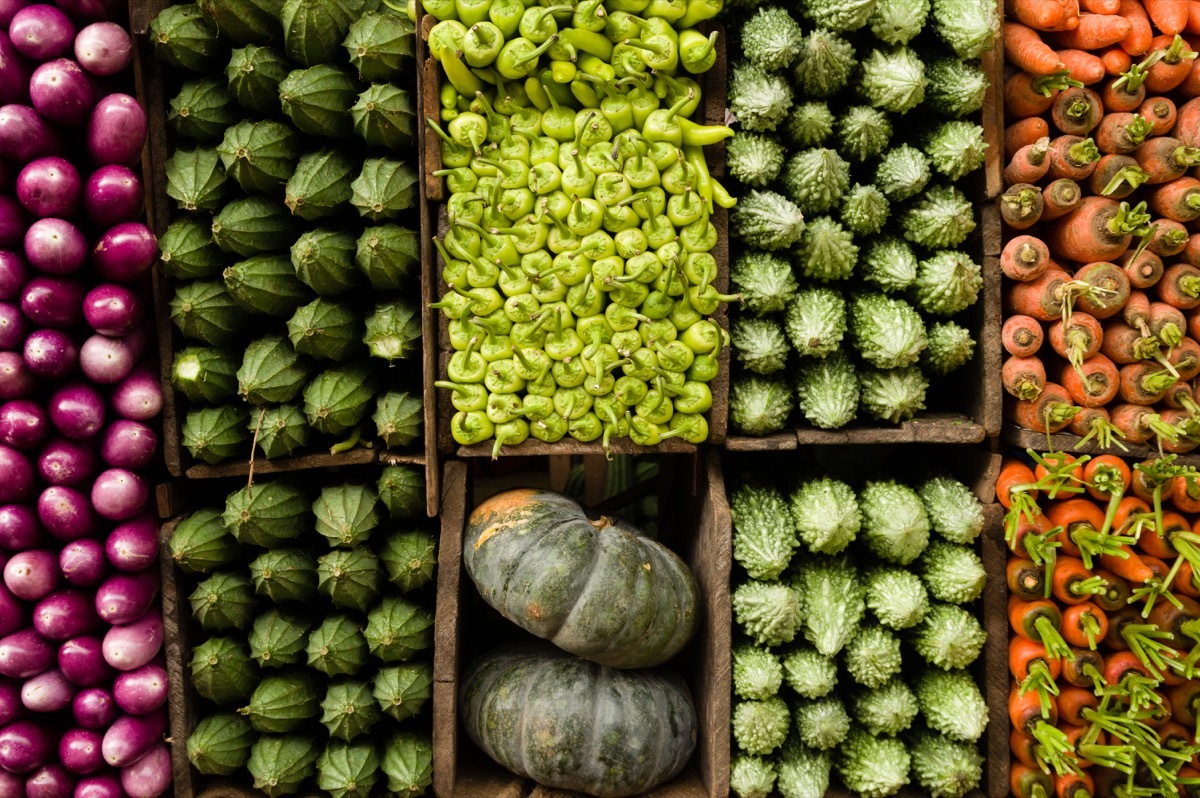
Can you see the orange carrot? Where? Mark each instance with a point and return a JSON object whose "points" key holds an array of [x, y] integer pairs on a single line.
{"points": [[1134, 421], [1013, 474], [1095, 32], [1137, 311], [1043, 14], [1093, 384], [1165, 158], [1059, 198], [1105, 475], [1057, 469], [1082, 66], [1121, 132], [1127, 91], [1023, 377], [1185, 493], [1071, 703], [1077, 517], [1073, 157], [1178, 200], [1187, 425], [1038, 621], [1076, 111], [1025, 579], [1074, 785], [1030, 95], [1168, 238], [1185, 702], [1095, 231], [1124, 344], [1131, 568], [1174, 66], [1050, 412], [1144, 383], [1026, 656], [1185, 358], [1169, 16], [1021, 336], [1132, 508], [1028, 782], [1143, 269], [1187, 123], [1077, 339], [1024, 48], [1160, 113], [1104, 291], [1101, 6], [1140, 35], [1072, 583], [1115, 60], [1171, 618], [1022, 132], [1030, 163], [1190, 87], [1185, 581], [1180, 287], [1020, 205], [1191, 251], [1116, 176], [1166, 322], [1082, 667], [1193, 24], [1024, 747], [1024, 258]]}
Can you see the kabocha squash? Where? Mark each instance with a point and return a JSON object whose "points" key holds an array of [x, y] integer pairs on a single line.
{"points": [[595, 588], [566, 722]]}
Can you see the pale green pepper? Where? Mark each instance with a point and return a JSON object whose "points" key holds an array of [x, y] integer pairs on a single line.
{"points": [[468, 365], [510, 433], [537, 24], [503, 407], [698, 11], [568, 372], [481, 44], [550, 429], [453, 154], [530, 364], [521, 308], [586, 428], [466, 398], [697, 52], [471, 428]]}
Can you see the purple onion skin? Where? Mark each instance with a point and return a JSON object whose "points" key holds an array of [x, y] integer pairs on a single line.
{"points": [[16, 475], [67, 462], [49, 187], [14, 73], [113, 194], [119, 494], [65, 614], [128, 444], [141, 691], [24, 135], [79, 751], [106, 360], [104, 785], [24, 654], [150, 776], [12, 785], [11, 707], [81, 659], [77, 410], [103, 48], [94, 708], [133, 546], [124, 598], [50, 781], [53, 302], [55, 246], [130, 737], [32, 575], [23, 424], [14, 273], [131, 646], [14, 614], [41, 32], [112, 309], [19, 527], [16, 380], [138, 397], [47, 692], [13, 221], [82, 563], [125, 252], [25, 746], [13, 327], [51, 354], [62, 92], [66, 513], [117, 131]]}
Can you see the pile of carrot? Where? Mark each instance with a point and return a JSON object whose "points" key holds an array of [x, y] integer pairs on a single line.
{"points": [[1104, 609], [1102, 218]]}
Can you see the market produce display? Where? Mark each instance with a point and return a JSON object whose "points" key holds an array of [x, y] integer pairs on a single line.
{"points": [[293, 260], [1103, 613], [311, 651], [1101, 256], [578, 267], [82, 685], [857, 125], [857, 620], [603, 722]]}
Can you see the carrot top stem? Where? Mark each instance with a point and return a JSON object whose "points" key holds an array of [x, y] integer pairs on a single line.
{"points": [[1050, 638], [1146, 641], [1134, 176], [1117, 757], [1138, 129], [1178, 51], [1092, 545], [1091, 586], [1106, 434], [1130, 220], [1109, 480], [1046, 85], [1022, 503], [1060, 470], [1042, 551], [1083, 152], [1186, 157], [1056, 750], [1089, 624], [1133, 78], [1041, 681], [1021, 203]]}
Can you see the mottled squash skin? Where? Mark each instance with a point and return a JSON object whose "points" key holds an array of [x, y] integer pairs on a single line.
{"points": [[598, 590], [566, 722]]}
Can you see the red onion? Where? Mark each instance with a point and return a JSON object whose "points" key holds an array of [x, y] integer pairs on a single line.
{"points": [[24, 747], [141, 691], [12, 785], [125, 252], [51, 354], [24, 135], [128, 444], [82, 562], [13, 274], [117, 130], [12, 326], [81, 660], [103, 48], [32, 574], [64, 461], [77, 410], [23, 424], [24, 654], [13, 617], [150, 776], [65, 614], [86, 9], [10, 702], [79, 751], [112, 194], [119, 494], [66, 513], [41, 32], [55, 246], [53, 302], [61, 92], [49, 187], [50, 781]]}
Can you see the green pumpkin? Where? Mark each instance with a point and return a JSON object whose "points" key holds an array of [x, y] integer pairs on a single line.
{"points": [[569, 723], [597, 589]]}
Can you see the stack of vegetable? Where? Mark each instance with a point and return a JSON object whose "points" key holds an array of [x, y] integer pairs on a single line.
{"points": [[1103, 253], [855, 126], [1104, 614], [294, 258], [81, 685], [857, 631], [313, 657], [578, 269], [595, 712]]}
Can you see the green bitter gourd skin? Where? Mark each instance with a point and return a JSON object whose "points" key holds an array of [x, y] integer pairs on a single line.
{"points": [[956, 148], [751, 776], [768, 612], [865, 210], [758, 99], [873, 767], [887, 709], [808, 124], [759, 345], [954, 511], [809, 673], [952, 573], [943, 767], [887, 332], [816, 322], [824, 65], [952, 704], [754, 160], [873, 656], [771, 38], [765, 281], [956, 87], [947, 283], [803, 772], [757, 672], [949, 637], [840, 15], [893, 81], [833, 601], [759, 405], [827, 391], [969, 27], [902, 172], [763, 538], [767, 220], [896, 597], [893, 395], [897, 22], [895, 524], [826, 515], [759, 727], [816, 179], [821, 724], [889, 264], [827, 251], [941, 219], [951, 347], [863, 132]]}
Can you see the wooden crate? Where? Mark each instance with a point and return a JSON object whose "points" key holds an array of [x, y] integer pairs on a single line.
{"points": [[173, 501], [433, 220], [460, 769], [152, 93]]}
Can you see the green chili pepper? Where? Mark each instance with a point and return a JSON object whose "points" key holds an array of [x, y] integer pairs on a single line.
{"points": [[459, 74], [663, 124], [707, 301], [530, 364], [657, 332], [537, 23], [548, 77], [543, 386], [510, 433], [702, 135], [521, 308], [466, 207], [700, 268], [469, 129], [459, 180], [611, 188], [467, 365], [568, 372], [622, 319], [563, 341], [506, 15], [440, 9], [584, 94], [630, 244], [670, 89], [697, 52], [585, 299], [589, 15], [703, 337], [453, 154], [629, 6], [586, 428], [515, 204], [537, 93], [597, 245], [465, 398], [591, 43], [470, 428], [558, 123], [578, 179], [471, 11], [625, 341], [562, 73], [659, 53], [544, 178], [448, 97], [703, 369], [571, 403], [655, 407], [627, 61], [537, 408], [461, 331], [699, 236], [550, 429], [698, 11], [663, 154], [481, 44], [643, 432], [643, 365], [691, 427], [543, 149], [684, 316], [591, 128], [518, 58], [621, 25], [673, 355], [501, 379], [529, 335], [586, 216], [527, 237]]}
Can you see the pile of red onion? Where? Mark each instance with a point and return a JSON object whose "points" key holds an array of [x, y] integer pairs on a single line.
{"points": [[82, 682]]}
